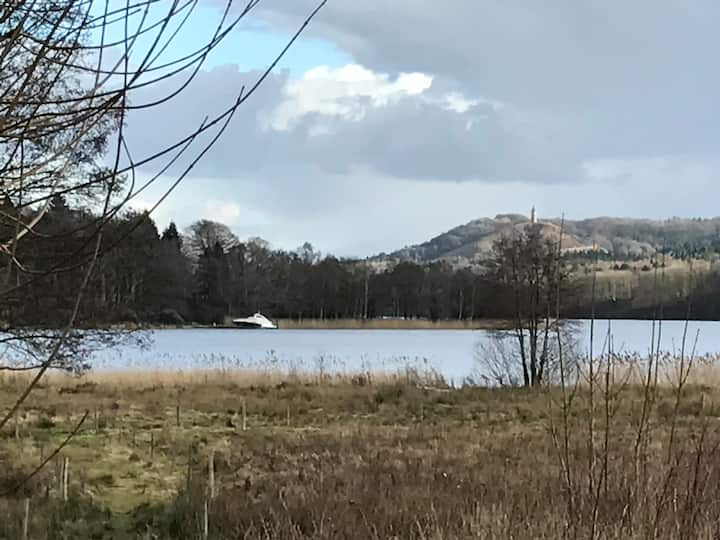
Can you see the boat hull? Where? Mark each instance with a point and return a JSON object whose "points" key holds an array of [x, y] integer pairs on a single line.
{"points": [[252, 326]]}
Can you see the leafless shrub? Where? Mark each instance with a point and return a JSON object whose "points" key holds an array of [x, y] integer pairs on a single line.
{"points": [[498, 360]]}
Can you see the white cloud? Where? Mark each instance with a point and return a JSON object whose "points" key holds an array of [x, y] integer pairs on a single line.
{"points": [[232, 213], [347, 92], [455, 101], [160, 214], [140, 205]]}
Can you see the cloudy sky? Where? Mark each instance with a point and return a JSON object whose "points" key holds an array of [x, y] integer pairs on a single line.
{"points": [[390, 122]]}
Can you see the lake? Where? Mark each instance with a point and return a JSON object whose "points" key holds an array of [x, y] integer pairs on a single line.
{"points": [[450, 352]]}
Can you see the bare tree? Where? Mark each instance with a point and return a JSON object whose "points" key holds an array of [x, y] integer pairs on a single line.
{"points": [[531, 273], [204, 235], [71, 73], [498, 356]]}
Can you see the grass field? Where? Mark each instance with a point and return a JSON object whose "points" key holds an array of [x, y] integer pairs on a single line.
{"points": [[356, 457]]}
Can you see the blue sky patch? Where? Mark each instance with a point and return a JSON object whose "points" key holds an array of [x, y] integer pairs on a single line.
{"points": [[252, 44]]}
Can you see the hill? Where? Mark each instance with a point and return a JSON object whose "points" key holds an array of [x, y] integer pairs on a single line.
{"points": [[621, 238]]}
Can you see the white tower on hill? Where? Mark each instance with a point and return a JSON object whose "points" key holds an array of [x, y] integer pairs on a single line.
{"points": [[533, 216]]}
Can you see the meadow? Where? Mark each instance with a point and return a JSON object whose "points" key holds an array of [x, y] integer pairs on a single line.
{"points": [[223, 455]]}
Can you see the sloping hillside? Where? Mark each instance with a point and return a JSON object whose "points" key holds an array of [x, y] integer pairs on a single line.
{"points": [[627, 237], [621, 237]]}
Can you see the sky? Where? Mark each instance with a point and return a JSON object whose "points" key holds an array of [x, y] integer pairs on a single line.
{"points": [[390, 122]]}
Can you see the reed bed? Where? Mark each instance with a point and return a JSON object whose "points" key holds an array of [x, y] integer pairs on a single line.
{"points": [[236, 378], [391, 324]]}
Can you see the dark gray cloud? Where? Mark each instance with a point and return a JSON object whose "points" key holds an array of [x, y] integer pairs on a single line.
{"points": [[627, 78]]}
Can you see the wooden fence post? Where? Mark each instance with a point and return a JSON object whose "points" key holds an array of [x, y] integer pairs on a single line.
{"points": [[244, 413], [211, 474], [206, 521], [26, 519], [65, 478]]}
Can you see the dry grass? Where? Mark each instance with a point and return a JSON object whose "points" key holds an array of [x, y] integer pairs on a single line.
{"points": [[631, 369], [391, 324], [134, 380], [673, 267], [354, 458]]}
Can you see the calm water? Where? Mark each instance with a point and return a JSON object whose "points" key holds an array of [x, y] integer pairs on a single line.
{"points": [[451, 352]]}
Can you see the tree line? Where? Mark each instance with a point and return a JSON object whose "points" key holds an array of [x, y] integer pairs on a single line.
{"points": [[205, 274]]}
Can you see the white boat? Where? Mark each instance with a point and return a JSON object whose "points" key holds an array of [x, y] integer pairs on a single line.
{"points": [[258, 320]]}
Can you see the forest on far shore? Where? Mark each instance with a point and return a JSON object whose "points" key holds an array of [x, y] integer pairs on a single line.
{"points": [[205, 274]]}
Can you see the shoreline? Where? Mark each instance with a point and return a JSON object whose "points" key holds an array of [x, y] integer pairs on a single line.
{"points": [[381, 324], [344, 324], [392, 324]]}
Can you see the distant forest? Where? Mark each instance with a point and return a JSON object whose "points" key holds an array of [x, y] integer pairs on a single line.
{"points": [[205, 274]]}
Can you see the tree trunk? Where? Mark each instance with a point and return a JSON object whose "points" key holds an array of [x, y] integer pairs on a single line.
{"points": [[472, 304], [367, 287]]}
